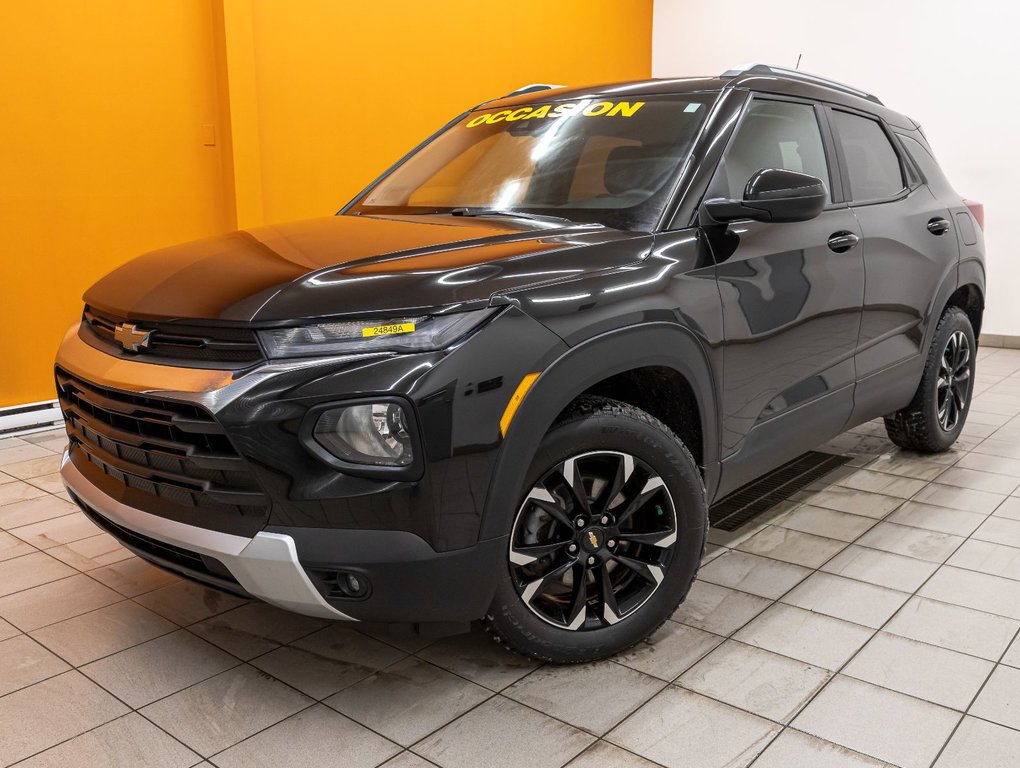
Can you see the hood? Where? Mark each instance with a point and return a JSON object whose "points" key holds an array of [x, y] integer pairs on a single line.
{"points": [[353, 265]]}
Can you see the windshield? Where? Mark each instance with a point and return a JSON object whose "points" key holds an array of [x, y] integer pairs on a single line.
{"points": [[606, 161]]}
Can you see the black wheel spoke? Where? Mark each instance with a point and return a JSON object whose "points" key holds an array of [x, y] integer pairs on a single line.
{"points": [[574, 484], [544, 500], [950, 419], [647, 571], [523, 554], [624, 471], [609, 611], [962, 354], [535, 588], [651, 487], [579, 602], [957, 398], [661, 539]]}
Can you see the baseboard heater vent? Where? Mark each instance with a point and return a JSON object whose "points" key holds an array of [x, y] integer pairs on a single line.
{"points": [[31, 417], [759, 496]]}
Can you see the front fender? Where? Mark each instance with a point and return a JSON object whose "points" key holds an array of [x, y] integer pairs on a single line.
{"points": [[652, 344]]}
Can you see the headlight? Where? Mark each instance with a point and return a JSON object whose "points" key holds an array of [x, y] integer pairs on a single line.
{"points": [[367, 433], [404, 334]]}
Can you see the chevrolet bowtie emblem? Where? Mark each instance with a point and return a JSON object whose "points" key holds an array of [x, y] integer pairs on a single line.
{"points": [[593, 539], [131, 337]]}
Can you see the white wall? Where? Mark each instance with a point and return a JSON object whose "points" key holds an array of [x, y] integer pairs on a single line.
{"points": [[951, 66]]}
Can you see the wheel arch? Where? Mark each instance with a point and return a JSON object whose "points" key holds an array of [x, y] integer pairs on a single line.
{"points": [[971, 300], [663, 352], [963, 287]]}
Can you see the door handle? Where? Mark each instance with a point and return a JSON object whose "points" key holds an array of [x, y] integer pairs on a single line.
{"points": [[841, 242], [938, 226]]}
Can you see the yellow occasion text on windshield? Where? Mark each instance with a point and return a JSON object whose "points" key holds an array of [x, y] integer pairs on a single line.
{"points": [[583, 108]]}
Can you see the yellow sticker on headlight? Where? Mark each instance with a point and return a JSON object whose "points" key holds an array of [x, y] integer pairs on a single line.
{"points": [[388, 330]]}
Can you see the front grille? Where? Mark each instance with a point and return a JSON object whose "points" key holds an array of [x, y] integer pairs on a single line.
{"points": [[175, 341], [172, 450]]}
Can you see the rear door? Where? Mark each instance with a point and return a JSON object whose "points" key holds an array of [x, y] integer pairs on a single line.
{"points": [[910, 246], [791, 297]]}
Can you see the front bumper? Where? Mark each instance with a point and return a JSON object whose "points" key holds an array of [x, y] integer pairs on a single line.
{"points": [[265, 566], [417, 544]]}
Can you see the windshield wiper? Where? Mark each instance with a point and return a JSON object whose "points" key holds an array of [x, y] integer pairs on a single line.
{"points": [[514, 214]]}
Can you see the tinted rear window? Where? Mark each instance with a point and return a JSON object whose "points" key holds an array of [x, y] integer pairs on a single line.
{"points": [[872, 163]]}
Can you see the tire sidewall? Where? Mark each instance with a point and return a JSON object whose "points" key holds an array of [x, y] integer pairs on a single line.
{"points": [[654, 444]]}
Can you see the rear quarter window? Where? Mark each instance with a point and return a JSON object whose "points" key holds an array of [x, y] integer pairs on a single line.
{"points": [[927, 164]]}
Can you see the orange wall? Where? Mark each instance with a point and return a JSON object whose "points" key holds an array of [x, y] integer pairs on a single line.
{"points": [[101, 158], [108, 107], [345, 88]]}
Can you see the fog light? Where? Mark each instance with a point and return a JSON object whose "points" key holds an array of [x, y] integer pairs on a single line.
{"points": [[353, 585], [367, 433]]}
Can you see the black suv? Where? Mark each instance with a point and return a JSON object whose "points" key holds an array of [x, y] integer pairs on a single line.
{"points": [[508, 379]]}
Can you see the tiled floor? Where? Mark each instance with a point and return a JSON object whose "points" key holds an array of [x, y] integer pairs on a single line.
{"points": [[872, 620]]}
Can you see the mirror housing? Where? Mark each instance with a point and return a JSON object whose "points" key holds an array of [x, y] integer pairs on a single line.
{"points": [[776, 195]]}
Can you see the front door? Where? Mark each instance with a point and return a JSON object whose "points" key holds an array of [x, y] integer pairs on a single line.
{"points": [[791, 298]]}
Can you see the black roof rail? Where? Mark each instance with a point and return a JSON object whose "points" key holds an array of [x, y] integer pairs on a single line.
{"points": [[531, 89], [796, 74]]}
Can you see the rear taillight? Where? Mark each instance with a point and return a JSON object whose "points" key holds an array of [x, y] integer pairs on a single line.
{"points": [[978, 211]]}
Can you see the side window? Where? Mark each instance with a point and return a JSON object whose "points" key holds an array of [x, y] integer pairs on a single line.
{"points": [[872, 164], [773, 134]]}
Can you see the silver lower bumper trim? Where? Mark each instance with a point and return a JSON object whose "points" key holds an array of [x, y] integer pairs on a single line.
{"points": [[265, 565]]}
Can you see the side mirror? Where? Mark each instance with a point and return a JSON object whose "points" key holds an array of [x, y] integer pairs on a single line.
{"points": [[773, 194]]}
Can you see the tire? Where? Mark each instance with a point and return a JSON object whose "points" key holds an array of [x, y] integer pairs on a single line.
{"points": [[643, 518], [933, 420]]}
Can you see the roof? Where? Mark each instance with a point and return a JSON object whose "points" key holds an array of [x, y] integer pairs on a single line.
{"points": [[756, 77]]}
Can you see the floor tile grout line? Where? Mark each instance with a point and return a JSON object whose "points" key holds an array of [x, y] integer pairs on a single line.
{"points": [[880, 629], [845, 621], [541, 665], [777, 522], [976, 696], [938, 564], [490, 692], [131, 710], [257, 671], [94, 610], [121, 701], [315, 703], [175, 628], [22, 760], [101, 607], [519, 703], [837, 672]]}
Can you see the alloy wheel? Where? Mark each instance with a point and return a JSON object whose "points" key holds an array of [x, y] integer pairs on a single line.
{"points": [[954, 381], [592, 540]]}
